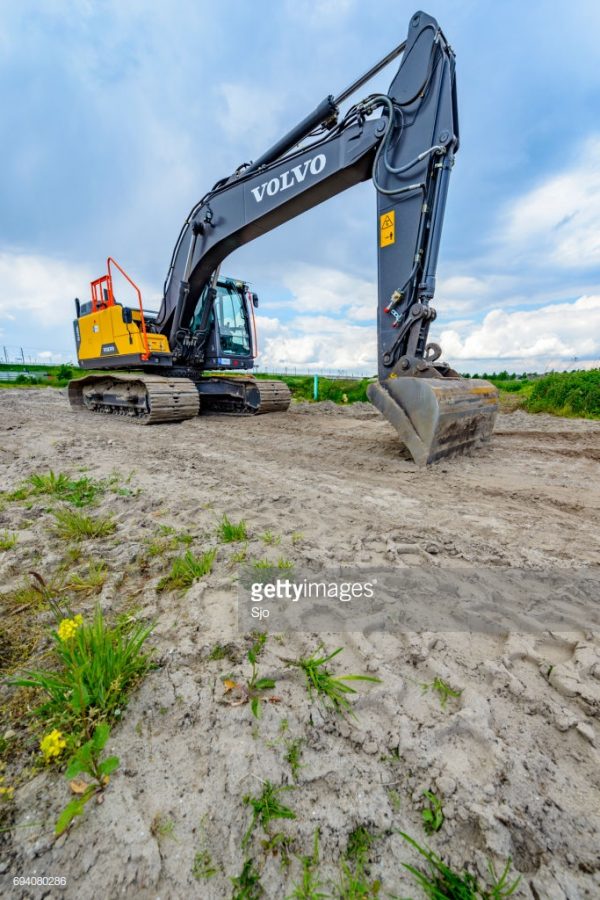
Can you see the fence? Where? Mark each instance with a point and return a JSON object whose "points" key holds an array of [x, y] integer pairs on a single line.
{"points": [[14, 375], [35, 356], [309, 373]]}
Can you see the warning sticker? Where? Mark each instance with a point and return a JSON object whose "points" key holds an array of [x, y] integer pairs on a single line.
{"points": [[387, 228]]}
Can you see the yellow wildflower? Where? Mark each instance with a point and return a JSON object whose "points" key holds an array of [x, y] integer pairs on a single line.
{"points": [[52, 744], [68, 627], [5, 792]]}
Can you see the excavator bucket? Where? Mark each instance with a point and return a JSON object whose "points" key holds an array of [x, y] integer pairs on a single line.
{"points": [[437, 417]]}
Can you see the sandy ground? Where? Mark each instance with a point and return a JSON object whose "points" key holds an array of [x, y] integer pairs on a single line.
{"points": [[515, 758]]}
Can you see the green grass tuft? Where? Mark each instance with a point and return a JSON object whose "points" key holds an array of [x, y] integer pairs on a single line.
{"points": [[281, 564], [360, 841], [257, 686], [354, 883], [77, 492], [187, 569], [92, 581], [230, 532], [439, 882], [239, 556], [293, 755], [246, 885], [168, 539], [80, 492], [7, 540], [162, 826], [219, 651], [202, 867], [35, 593], [76, 526]]}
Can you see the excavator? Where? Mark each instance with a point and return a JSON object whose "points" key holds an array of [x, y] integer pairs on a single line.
{"points": [[195, 353]]}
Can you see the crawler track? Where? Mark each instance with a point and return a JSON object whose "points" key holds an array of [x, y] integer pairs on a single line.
{"points": [[146, 398], [275, 396], [151, 399]]}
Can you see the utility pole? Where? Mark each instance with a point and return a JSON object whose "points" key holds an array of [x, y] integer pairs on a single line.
{"points": [[5, 355]]}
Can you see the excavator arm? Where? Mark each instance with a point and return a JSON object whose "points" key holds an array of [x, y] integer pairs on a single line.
{"points": [[405, 141]]}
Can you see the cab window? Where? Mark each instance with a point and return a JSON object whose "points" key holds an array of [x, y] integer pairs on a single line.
{"points": [[232, 322]]}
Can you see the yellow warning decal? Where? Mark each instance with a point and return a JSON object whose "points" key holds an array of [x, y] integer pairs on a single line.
{"points": [[387, 228]]}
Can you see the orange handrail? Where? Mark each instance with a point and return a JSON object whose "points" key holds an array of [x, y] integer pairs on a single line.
{"points": [[98, 299], [110, 260]]}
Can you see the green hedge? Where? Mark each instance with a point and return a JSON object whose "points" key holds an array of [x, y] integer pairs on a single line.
{"points": [[567, 394]]}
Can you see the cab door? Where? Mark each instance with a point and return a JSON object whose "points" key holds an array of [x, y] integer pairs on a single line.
{"points": [[235, 332]]}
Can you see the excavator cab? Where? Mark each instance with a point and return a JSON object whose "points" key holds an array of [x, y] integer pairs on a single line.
{"points": [[231, 343]]}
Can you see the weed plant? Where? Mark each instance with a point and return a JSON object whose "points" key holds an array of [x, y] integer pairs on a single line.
{"points": [[187, 569], [97, 666], [332, 690]]}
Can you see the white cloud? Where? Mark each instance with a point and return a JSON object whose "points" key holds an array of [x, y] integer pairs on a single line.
{"points": [[559, 331], [326, 290], [557, 336], [461, 293], [39, 289], [544, 246], [316, 344], [267, 325], [366, 312], [558, 222], [326, 331]]}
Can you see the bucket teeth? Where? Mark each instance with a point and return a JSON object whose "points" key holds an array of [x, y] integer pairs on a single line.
{"points": [[437, 417]]}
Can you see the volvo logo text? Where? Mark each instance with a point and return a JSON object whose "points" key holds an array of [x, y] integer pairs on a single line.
{"points": [[289, 178]]}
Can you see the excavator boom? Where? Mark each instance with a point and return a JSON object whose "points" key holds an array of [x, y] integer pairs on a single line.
{"points": [[405, 141]]}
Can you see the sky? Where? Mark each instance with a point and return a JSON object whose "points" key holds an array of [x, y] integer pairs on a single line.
{"points": [[118, 116]]}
